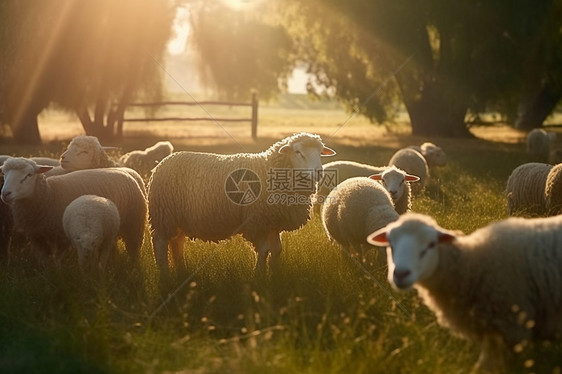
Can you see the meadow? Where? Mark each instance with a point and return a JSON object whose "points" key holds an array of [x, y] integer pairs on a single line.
{"points": [[321, 313]]}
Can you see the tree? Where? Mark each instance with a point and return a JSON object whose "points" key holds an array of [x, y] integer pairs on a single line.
{"points": [[82, 55], [454, 57], [239, 53]]}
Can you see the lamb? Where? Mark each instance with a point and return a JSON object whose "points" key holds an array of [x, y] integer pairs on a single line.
{"points": [[500, 286], [338, 171], [213, 197], [86, 152], [91, 224], [412, 162], [538, 144], [356, 208], [37, 202], [525, 190], [433, 154], [144, 161]]}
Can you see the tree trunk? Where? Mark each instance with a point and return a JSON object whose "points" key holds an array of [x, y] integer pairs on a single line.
{"points": [[533, 110], [26, 131]]}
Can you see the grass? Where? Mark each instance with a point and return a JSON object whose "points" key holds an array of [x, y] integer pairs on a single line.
{"points": [[320, 314]]}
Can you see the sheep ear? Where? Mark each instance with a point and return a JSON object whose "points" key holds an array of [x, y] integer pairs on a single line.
{"points": [[446, 237], [378, 238], [411, 178], [285, 149], [376, 177], [43, 169], [327, 151]]}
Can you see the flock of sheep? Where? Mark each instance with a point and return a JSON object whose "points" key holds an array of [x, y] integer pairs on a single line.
{"points": [[87, 200]]}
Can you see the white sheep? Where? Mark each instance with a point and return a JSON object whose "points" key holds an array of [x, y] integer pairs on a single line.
{"points": [[396, 181], [86, 152], [37, 203], [213, 196], [144, 161], [525, 190], [413, 163], [538, 143], [354, 209], [91, 224], [433, 154], [553, 191], [500, 286]]}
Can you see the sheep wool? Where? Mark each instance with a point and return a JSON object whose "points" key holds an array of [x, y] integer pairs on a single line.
{"points": [[213, 197], [525, 190], [499, 286], [553, 191], [356, 208], [91, 224], [37, 202], [538, 145], [412, 162]]}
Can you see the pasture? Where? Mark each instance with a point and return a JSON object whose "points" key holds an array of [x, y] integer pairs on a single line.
{"points": [[322, 313]]}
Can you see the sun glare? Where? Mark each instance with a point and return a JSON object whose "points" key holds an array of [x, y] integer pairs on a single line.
{"points": [[242, 5], [178, 43]]}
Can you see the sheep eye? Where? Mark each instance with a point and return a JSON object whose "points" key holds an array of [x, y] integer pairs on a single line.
{"points": [[298, 153], [429, 246]]}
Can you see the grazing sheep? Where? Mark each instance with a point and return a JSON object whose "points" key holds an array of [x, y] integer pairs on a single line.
{"points": [[86, 152], [525, 190], [538, 144], [433, 154], [144, 161], [213, 197], [91, 224], [356, 208], [338, 171], [413, 163], [500, 286], [37, 202]]}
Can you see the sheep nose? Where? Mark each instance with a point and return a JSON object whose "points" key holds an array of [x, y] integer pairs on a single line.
{"points": [[400, 275], [6, 195]]}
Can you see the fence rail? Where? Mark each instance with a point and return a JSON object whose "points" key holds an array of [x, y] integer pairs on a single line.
{"points": [[253, 119]]}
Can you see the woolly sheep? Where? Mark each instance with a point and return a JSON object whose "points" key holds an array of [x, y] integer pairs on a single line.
{"points": [[213, 197], [553, 191], [412, 162], [500, 286], [91, 224], [86, 152], [538, 144], [525, 190], [37, 202], [356, 208], [144, 161], [338, 171], [433, 154]]}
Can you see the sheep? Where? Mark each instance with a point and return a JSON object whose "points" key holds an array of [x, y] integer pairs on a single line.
{"points": [[538, 143], [338, 171], [412, 162], [40, 160], [500, 286], [525, 190], [553, 191], [433, 154], [354, 209], [86, 152], [144, 161], [213, 197], [37, 203], [91, 224]]}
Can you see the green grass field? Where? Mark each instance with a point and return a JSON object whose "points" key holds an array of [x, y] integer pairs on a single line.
{"points": [[321, 313]]}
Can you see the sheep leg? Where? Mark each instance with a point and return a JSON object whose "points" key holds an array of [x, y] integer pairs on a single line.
{"points": [[262, 249], [176, 247], [160, 246], [133, 245], [493, 356], [274, 241]]}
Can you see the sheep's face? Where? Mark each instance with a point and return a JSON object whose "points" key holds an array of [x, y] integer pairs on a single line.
{"points": [[393, 180], [79, 156], [87, 247], [19, 179], [411, 250], [306, 157], [433, 154]]}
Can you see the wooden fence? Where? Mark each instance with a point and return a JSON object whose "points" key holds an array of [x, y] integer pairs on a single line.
{"points": [[253, 104]]}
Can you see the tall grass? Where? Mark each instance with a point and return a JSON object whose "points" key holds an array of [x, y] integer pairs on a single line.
{"points": [[321, 313]]}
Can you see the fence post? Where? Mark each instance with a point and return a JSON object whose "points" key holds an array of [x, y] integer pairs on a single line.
{"points": [[254, 115]]}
